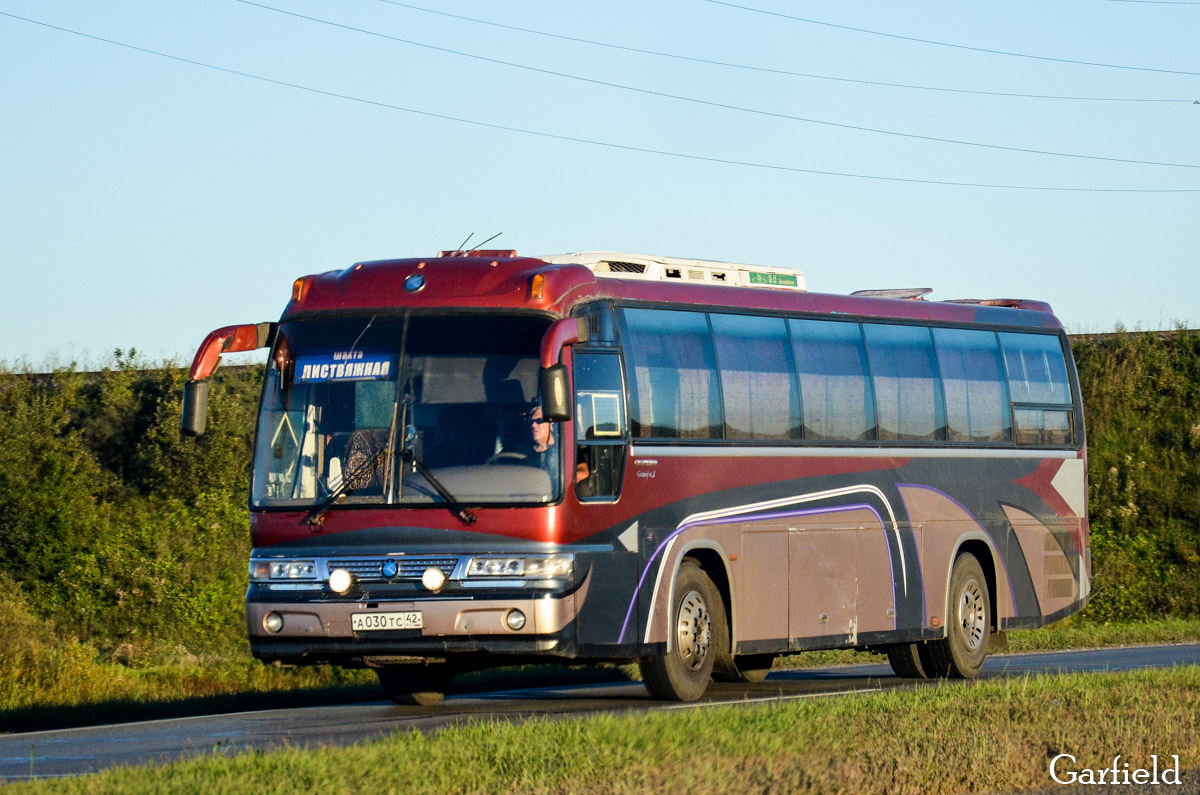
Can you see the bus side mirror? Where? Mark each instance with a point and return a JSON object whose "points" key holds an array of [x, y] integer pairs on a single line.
{"points": [[556, 394], [195, 408], [231, 339]]}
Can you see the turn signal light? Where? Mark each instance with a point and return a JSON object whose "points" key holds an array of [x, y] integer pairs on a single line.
{"points": [[537, 286], [299, 289]]}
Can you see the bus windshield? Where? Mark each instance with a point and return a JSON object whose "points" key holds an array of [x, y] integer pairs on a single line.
{"points": [[356, 403]]}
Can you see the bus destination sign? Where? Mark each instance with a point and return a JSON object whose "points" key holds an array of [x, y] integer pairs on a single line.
{"points": [[343, 366]]}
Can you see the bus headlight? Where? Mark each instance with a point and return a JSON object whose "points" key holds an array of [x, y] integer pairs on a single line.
{"points": [[540, 567], [283, 570]]}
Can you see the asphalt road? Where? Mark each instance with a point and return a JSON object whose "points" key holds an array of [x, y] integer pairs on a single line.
{"points": [[75, 751]]}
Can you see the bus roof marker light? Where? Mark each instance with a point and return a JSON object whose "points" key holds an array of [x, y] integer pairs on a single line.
{"points": [[537, 287], [300, 287]]}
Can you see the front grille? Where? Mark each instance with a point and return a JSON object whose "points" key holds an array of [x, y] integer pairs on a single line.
{"points": [[411, 566]]}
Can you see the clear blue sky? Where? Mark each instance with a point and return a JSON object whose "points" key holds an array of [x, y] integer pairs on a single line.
{"points": [[145, 201]]}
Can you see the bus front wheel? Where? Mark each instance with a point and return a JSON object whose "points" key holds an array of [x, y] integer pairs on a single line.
{"points": [[683, 673], [960, 654], [415, 685]]}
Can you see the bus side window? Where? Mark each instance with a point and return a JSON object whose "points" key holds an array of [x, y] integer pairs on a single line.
{"points": [[600, 432], [1043, 409]]}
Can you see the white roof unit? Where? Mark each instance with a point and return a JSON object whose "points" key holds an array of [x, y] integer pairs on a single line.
{"points": [[651, 267]]}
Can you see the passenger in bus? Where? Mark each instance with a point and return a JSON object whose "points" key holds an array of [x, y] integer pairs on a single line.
{"points": [[585, 484]]}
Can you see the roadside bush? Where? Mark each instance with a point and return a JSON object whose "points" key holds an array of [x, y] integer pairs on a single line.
{"points": [[1142, 407], [35, 658], [116, 527]]}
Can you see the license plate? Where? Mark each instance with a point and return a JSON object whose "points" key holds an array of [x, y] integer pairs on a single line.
{"points": [[368, 622]]}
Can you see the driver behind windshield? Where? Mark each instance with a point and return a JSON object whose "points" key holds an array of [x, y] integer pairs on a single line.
{"points": [[533, 443]]}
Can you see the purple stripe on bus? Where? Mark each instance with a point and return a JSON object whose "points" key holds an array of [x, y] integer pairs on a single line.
{"points": [[730, 520]]}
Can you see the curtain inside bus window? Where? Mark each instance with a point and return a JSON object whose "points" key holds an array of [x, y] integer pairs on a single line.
{"points": [[835, 394], [1036, 370], [972, 371], [908, 394], [758, 385], [1041, 393], [673, 379]]}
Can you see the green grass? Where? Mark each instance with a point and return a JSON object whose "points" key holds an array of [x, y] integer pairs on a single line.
{"points": [[986, 735], [1073, 634]]}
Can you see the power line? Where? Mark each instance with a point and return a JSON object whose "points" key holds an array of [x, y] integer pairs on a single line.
{"points": [[950, 44], [783, 72], [586, 141], [721, 105]]}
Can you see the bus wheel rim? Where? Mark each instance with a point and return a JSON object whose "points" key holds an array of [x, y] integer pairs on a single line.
{"points": [[693, 631], [972, 614]]}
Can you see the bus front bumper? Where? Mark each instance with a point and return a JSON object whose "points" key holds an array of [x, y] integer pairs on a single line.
{"points": [[315, 632]]}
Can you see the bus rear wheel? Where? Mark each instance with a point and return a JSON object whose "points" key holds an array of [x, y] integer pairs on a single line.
{"points": [[752, 668], [683, 673], [911, 660], [416, 685], [960, 654]]}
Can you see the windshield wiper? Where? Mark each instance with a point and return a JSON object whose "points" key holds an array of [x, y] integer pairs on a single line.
{"points": [[352, 480], [456, 507]]}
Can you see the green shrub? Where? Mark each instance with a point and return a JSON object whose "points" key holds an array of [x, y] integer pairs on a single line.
{"points": [[1141, 397], [116, 526], [35, 658]]}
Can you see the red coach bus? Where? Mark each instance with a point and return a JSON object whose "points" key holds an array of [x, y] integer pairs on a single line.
{"points": [[480, 459]]}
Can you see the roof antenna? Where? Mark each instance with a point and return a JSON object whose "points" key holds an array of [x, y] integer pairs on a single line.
{"points": [[459, 250], [489, 240]]}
